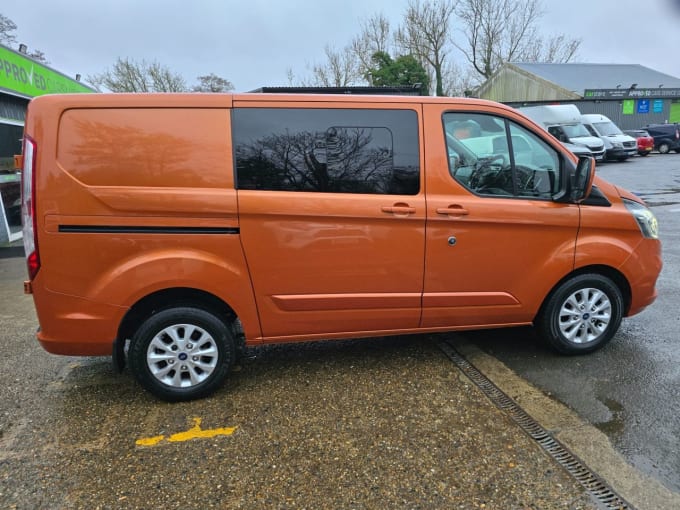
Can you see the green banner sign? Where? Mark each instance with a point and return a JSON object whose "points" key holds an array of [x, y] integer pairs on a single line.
{"points": [[26, 77], [628, 106], [675, 113]]}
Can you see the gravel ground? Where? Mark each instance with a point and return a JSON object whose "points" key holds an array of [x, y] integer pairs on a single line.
{"points": [[378, 423]]}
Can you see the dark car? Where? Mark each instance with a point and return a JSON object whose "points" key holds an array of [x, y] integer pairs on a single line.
{"points": [[645, 143], [666, 137]]}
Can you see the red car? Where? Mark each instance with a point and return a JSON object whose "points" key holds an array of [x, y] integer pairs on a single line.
{"points": [[645, 143]]}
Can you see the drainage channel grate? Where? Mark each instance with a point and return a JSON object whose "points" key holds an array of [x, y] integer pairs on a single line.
{"points": [[594, 485]]}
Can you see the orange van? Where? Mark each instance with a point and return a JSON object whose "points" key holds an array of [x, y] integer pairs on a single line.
{"points": [[172, 231]]}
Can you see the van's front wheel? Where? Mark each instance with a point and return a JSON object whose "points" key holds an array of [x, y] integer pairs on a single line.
{"points": [[181, 353], [581, 315]]}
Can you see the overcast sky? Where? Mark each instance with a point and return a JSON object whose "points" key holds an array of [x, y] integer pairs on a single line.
{"points": [[253, 43]]}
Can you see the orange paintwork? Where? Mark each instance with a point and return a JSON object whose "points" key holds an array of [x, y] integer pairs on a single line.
{"points": [[299, 266]]}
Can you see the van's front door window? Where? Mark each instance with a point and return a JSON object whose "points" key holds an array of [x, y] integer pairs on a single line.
{"points": [[493, 156]]}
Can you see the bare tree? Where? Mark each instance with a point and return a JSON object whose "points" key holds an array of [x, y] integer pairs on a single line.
{"points": [[213, 83], [7, 28], [164, 80], [555, 49], [374, 38], [128, 75], [340, 70], [426, 34], [498, 31], [39, 56], [292, 79], [459, 81], [8, 38], [350, 65]]}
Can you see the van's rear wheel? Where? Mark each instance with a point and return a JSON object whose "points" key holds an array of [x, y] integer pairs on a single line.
{"points": [[182, 353], [664, 148], [581, 315]]}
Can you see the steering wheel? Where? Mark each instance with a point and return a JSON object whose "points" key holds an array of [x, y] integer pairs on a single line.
{"points": [[487, 171], [529, 180]]}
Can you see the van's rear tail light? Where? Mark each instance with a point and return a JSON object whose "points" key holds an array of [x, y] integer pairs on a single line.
{"points": [[28, 217]]}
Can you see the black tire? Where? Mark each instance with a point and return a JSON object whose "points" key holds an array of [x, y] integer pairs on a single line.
{"points": [[182, 353], [569, 327], [664, 148], [646, 153]]}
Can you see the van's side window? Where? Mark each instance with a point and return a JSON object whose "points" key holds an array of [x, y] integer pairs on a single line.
{"points": [[327, 150], [493, 156]]}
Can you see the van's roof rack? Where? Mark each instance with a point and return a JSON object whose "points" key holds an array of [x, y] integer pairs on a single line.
{"points": [[416, 89]]}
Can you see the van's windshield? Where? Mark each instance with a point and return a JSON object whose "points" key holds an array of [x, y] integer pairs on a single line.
{"points": [[607, 128], [575, 130]]}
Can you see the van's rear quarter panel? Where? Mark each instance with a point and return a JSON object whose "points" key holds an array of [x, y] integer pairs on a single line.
{"points": [[149, 147], [135, 162]]}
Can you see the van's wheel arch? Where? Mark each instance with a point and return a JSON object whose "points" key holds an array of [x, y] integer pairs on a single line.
{"points": [[182, 353], [664, 147], [581, 314]]}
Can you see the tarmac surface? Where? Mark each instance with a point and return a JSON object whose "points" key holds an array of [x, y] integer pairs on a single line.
{"points": [[377, 423]]}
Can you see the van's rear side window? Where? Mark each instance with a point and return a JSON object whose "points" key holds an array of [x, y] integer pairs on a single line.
{"points": [[327, 150]]}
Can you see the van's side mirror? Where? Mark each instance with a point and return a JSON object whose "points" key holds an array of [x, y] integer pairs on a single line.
{"points": [[582, 181]]}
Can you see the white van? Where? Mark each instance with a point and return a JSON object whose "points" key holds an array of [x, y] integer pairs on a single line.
{"points": [[618, 145], [563, 121]]}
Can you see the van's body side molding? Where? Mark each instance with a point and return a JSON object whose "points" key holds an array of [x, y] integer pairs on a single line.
{"points": [[144, 229]]}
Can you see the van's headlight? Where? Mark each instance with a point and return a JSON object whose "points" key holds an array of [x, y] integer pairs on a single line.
{"points": [[617, 145], [645, 218]]}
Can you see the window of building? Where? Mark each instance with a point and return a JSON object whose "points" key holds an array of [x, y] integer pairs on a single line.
{"points": [[493, 156], [10, 144], [10, 191], [327, 150]]}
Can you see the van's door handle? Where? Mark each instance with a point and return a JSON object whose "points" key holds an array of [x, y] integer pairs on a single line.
{"points": [[453, 210], [399, 209]]}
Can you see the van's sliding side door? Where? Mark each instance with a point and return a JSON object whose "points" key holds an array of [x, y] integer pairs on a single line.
{"points": [[332, 215]]}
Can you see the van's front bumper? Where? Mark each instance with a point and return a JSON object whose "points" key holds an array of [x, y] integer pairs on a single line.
{"points": [[621, 153], [599, 156], [75, 326], [642, 269]]}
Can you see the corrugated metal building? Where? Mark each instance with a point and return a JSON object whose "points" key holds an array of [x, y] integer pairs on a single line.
{"points": [[630, 94]]}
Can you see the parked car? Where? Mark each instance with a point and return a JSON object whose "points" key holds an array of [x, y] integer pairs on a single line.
{"points": [[666, 137], [645, 143]]}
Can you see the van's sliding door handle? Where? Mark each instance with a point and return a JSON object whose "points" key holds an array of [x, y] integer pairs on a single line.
{"points": [[399, 209], [453, 210]]}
